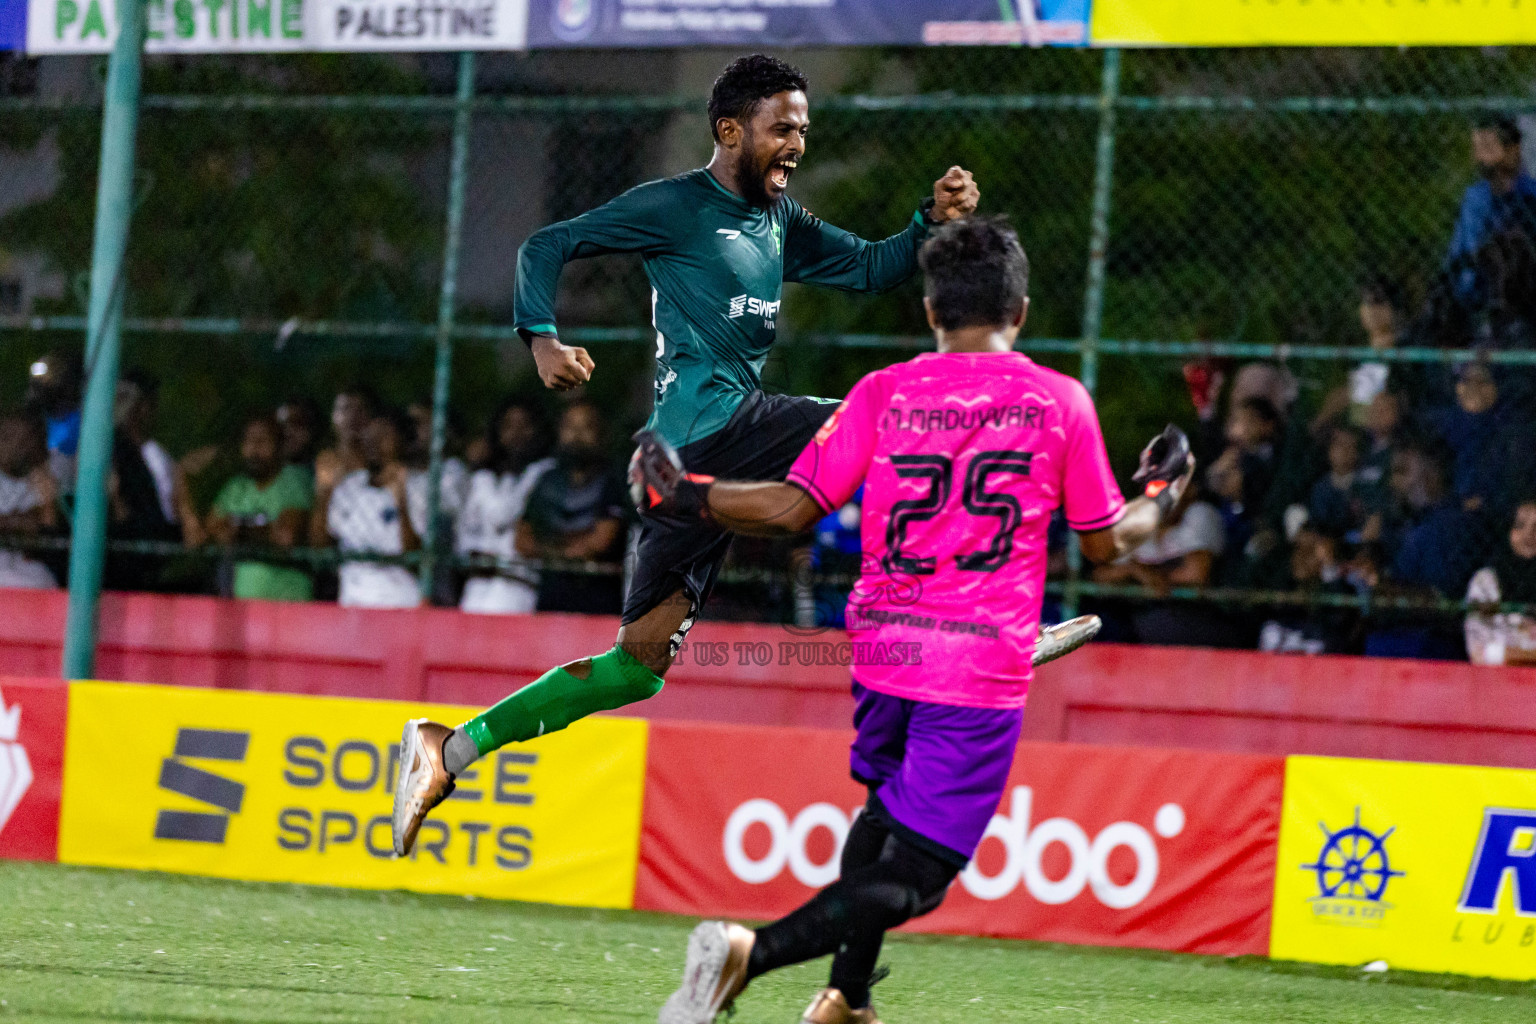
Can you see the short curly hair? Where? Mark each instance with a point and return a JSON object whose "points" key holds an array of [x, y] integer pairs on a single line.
{"points": [[746, 82], [975, 273]]}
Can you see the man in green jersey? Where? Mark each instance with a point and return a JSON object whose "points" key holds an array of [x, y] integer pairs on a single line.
{"points": [[718, 243]]}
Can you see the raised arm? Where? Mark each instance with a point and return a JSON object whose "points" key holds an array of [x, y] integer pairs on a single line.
{"points": [[635, 222], [815, 252], [767, 509], [1165, 473], [824, 477]]}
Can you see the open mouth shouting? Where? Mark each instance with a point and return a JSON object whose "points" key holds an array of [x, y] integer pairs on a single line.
{"points": [[779, 172]]}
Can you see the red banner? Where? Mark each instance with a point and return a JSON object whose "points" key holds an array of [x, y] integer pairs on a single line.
{"points": [[1101, 845], [32, 713]]}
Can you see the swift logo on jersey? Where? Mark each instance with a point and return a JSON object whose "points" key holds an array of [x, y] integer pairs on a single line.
{"points": [[728, 233], [741, 305]]}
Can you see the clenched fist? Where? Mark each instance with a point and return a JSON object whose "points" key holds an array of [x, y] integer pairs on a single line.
{"points": [[561, 366], [955, 195]]}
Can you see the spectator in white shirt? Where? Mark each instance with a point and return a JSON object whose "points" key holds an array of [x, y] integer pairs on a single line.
{"points": [[28, 498], [1506, 638], [377, 510], [497, 497]]}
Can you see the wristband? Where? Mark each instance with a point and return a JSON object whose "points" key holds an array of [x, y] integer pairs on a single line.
{"points": [[537, 331], [692, 498], [1160, 492], [925, 213]]}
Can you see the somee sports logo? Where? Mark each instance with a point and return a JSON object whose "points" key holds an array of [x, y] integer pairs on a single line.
{"points": [[177, 776]]}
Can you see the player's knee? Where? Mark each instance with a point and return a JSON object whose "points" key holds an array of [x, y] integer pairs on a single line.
{"points": [[927, 877], [638, 680], [655, 655]]}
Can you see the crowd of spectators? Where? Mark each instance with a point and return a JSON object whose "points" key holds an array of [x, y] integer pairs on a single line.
{"points": [[540, 485], [1407, 479]]}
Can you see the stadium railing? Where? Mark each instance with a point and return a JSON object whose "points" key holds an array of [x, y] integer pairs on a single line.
{"points": [[1181, 207]]}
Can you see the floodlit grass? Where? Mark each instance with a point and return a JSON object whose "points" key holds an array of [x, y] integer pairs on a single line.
{"points": [[82, 945]]}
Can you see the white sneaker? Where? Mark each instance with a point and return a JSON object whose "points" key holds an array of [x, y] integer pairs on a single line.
{"points": [[422, 782], [713, 976]]}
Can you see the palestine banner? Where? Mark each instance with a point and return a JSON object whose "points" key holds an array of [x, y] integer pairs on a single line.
{"points": [[274, 26]]}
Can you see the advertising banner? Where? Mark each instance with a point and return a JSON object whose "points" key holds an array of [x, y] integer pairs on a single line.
{"points": [[1428, 867], [618, 23], [298, 789], [1312, 23], [1100, 845], [32, 713], [271, 26]]}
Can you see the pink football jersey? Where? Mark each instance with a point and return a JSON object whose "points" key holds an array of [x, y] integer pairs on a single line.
{"points": [[964, 457]]}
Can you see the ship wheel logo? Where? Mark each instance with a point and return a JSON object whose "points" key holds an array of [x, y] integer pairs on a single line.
{"points": [[1353, 863]]}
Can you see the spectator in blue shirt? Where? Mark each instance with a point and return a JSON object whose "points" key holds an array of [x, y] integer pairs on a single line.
{"points": [[1434, 548], [1503, 201], [1487, 434], [1433, 556]]}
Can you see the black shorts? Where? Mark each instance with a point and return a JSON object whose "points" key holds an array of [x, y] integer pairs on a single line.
{"points": [[760, 442]]}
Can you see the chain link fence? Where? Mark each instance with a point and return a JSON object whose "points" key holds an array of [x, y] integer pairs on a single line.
{"points": [[1187, 213]]}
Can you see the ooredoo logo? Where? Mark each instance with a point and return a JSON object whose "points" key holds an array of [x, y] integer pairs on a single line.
{"points": [[15, 767], [1088, 858], [1024, 845]]}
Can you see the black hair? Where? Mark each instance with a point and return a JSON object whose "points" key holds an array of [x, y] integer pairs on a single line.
{"points": [[1435, 453], [398, 418], [975, 273], [1263, 408], [311, 408], [1501, 125], [31, 420], [147, 383], [536, 412], [370, 397], [264, 419], [1380, 289], [1348, 429], [745, 83]]}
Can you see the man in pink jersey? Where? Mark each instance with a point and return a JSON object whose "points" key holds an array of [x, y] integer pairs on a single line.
{"points": [[964, 453]]}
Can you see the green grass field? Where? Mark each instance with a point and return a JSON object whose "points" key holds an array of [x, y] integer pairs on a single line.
{"points": [[82, 945]]}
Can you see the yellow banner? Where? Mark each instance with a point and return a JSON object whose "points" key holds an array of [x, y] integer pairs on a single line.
{"points": [[298, 789], [1428, 867], [1312, 22]]}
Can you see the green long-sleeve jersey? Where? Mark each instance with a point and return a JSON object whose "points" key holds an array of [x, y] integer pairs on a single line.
{"points": [[717, 267]]}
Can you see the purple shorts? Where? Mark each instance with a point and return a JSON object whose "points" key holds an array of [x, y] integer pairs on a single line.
{"points": [[936, 772]]}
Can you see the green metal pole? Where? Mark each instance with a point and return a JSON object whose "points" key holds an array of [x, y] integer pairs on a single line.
{"points": [[1093, 298], [114, 208], [1098, 237], [458, 165]]}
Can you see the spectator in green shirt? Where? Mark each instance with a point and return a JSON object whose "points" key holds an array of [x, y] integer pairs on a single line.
{"points": [[267, 505]]}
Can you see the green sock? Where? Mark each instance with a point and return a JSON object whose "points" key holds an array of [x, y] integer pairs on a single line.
{"points": [[558, 698]]}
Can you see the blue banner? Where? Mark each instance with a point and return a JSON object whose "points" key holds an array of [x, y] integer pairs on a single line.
{"points": [[646, 23], [13, 24]]}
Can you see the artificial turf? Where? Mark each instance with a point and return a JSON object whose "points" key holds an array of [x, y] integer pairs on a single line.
{"points": [[80, 945]]}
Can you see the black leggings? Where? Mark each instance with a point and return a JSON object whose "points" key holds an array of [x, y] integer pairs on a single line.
{"points": [[885, 881]]}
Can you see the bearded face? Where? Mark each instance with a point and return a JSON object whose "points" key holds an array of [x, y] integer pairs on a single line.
{"points": [[771, 147]]}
